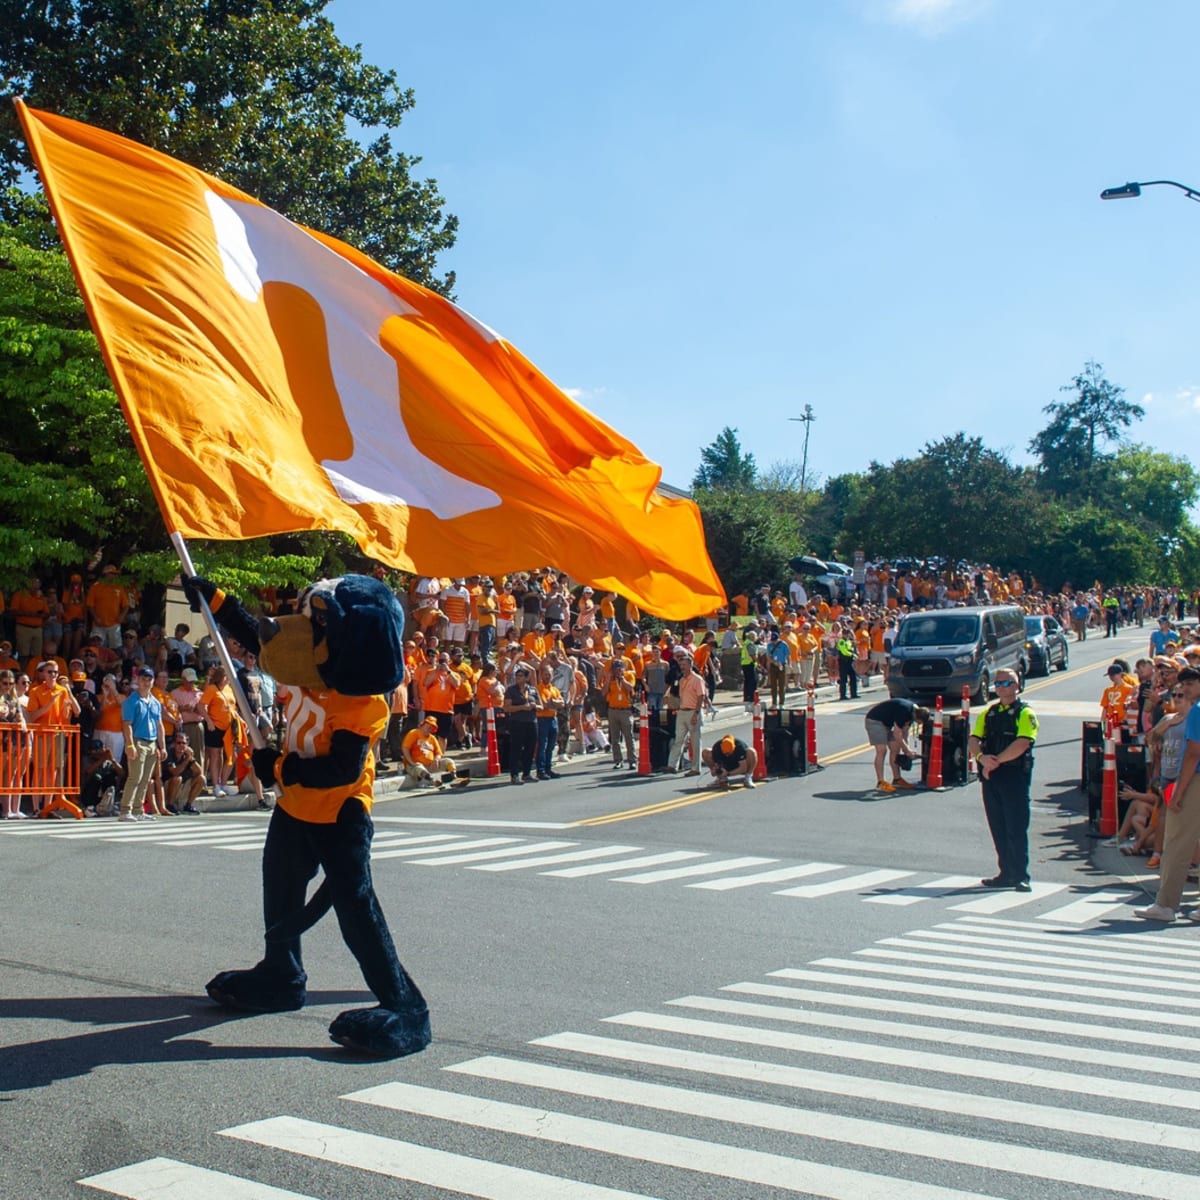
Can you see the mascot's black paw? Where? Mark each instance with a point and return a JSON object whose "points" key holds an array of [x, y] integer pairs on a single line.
{"points": [[263, 761], [381, 1032], [255, 991]]}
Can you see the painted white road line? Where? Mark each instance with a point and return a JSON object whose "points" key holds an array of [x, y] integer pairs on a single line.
{"points": [[984, 980], [649, 860], [780, 875], [852, 883], [999, 901], [934, 889], [1123, 1033], [1094, 907], [1072, 950], [953, 1038], [451, 843], [986, 992], [1089, 968], [1130, 1090], [646, 1145], [709, 868], [546, 860], [883, 1091], [415, 1163], [484, 855], [160, 1178], [1134, 1179], [1164, 945]]}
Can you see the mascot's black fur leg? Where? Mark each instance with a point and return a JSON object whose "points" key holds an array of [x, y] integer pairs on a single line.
{"points": [[400, 1025], [277, 983]]}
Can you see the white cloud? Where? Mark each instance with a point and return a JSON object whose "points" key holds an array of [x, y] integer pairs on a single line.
{"points": [[934, 16], [583, 395]]}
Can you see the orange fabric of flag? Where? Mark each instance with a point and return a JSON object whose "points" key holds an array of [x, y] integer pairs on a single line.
{"points": [[276, 379]]}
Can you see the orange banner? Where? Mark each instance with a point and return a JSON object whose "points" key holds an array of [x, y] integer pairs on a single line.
{"points": [[275, 379]]}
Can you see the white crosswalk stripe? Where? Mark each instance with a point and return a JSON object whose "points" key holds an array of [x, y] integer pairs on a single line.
{"points": [[819, 1080], [486, 846]]}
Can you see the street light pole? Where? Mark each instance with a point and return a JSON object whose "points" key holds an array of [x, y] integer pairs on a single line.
{"points": [[1129, 191], [808, 418]]}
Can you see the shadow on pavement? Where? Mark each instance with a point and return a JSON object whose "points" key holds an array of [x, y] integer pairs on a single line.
{"points": [[147, 1029]]}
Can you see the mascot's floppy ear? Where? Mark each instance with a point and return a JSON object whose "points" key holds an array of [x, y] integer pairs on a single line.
{"points": [[364, 634]]}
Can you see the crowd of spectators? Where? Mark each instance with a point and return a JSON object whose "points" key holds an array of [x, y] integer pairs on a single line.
{"points": [[473, 643]]}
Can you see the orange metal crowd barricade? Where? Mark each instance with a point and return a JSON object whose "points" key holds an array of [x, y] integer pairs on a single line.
{"points": [[40, 761]]}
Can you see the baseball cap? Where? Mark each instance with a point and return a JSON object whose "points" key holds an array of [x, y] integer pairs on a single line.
{"points": [[189, 674], [430, 720], [587, 591], [1114, 670], [78, 677], [109, 569], [728, 744], [144, 673]]}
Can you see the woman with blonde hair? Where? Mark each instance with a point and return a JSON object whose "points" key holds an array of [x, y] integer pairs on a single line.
{"points": [[220, 708]]}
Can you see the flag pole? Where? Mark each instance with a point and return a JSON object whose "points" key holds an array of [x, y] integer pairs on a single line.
{"points": [[251, 721]]}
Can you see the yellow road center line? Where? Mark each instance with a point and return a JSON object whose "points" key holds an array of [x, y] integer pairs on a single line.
{"points": [[651, 810]]}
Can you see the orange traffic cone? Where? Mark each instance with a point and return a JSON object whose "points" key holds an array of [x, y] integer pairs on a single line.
{"points": [[1108, 791], [493, 750], [934, 777], [644, 740], [760, 749]]}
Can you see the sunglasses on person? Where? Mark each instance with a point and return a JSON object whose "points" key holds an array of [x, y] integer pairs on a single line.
{"points": [[1006, 683]]}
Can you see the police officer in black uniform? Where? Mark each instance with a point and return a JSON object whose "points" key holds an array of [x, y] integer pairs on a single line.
{"points": [[1001, 743]]}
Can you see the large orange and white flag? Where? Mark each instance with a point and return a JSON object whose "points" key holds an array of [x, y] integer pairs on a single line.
{"points": [[276, 379]]}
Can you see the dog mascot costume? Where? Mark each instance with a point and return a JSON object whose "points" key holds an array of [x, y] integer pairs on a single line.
{"points": [[337, 656]]}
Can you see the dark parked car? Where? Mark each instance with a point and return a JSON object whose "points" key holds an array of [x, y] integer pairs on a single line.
{"points": [[1046, 645]]}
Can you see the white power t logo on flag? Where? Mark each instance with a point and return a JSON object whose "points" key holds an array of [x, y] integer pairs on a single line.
{"points": [[259, 247]]}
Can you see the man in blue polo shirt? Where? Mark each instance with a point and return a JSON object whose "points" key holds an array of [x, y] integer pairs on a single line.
{"points": [[145, 744]]}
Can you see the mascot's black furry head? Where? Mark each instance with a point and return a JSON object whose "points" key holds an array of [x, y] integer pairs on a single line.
{"points": [[347, 636]]}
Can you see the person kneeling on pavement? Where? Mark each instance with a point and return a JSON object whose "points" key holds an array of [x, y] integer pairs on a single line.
{"points": [[183, 780], [730, 756], [888, 724], [424, 759]]}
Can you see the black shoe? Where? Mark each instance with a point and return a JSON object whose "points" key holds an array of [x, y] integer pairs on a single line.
{"points": [[1023, 886], [553, 775], [191, 810], [542, 777], [526, 778], [997, 881]]}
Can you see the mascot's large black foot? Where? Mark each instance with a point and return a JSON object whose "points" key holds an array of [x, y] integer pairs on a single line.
{"points": [[381, 1032], [255, 991]]}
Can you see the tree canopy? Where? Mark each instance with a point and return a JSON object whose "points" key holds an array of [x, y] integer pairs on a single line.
{"points": [[724, 465], [261, 93]]}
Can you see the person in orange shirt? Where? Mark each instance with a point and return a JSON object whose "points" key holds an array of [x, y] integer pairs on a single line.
{"points": [[617, 682], [741, 604], [424, 759], [109, 727], [489, 696], [74, 616], [633, 615], [608, 611], [507, 622], [438, 689], [220, 708], [29, 608], [487, 615], [51, 704], [550, 704], [808, 641], [107, 603], [862, 648], [49, 654], [1117, 695], [464, 697], [394, 734], [535, 642]]}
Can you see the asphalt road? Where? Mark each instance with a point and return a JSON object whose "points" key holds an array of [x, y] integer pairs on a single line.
{"points": [[639, 987]]}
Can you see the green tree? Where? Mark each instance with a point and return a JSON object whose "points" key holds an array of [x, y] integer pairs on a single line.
{"points": [[261, 93], [957, 499], [724, 465], [1070, 447], [749, 538], [1083, 543]]}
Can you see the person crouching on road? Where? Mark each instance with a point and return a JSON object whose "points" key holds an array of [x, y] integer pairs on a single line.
{"points": [[888, 724], [424, 759], [730, 756]]}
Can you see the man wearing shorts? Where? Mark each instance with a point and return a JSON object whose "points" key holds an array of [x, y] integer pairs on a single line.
{"points": [[730, 756], [887, 725]]}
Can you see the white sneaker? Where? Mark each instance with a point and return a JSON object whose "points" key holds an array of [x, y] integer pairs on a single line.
{"points": [[1112, 841], [1156, 912], [750, 782], [219, 791], [127, 817]]}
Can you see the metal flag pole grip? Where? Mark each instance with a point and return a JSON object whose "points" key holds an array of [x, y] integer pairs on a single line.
{"points": [[249, 719]]}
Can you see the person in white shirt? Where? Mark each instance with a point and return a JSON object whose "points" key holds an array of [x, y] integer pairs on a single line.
{"points": [[797, 596]]}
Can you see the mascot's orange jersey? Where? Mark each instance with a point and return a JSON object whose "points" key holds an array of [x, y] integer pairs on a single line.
{"points": [[312, 720]]}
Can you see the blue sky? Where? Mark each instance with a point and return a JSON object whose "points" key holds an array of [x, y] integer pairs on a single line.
{"points": [[692, 215]]}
